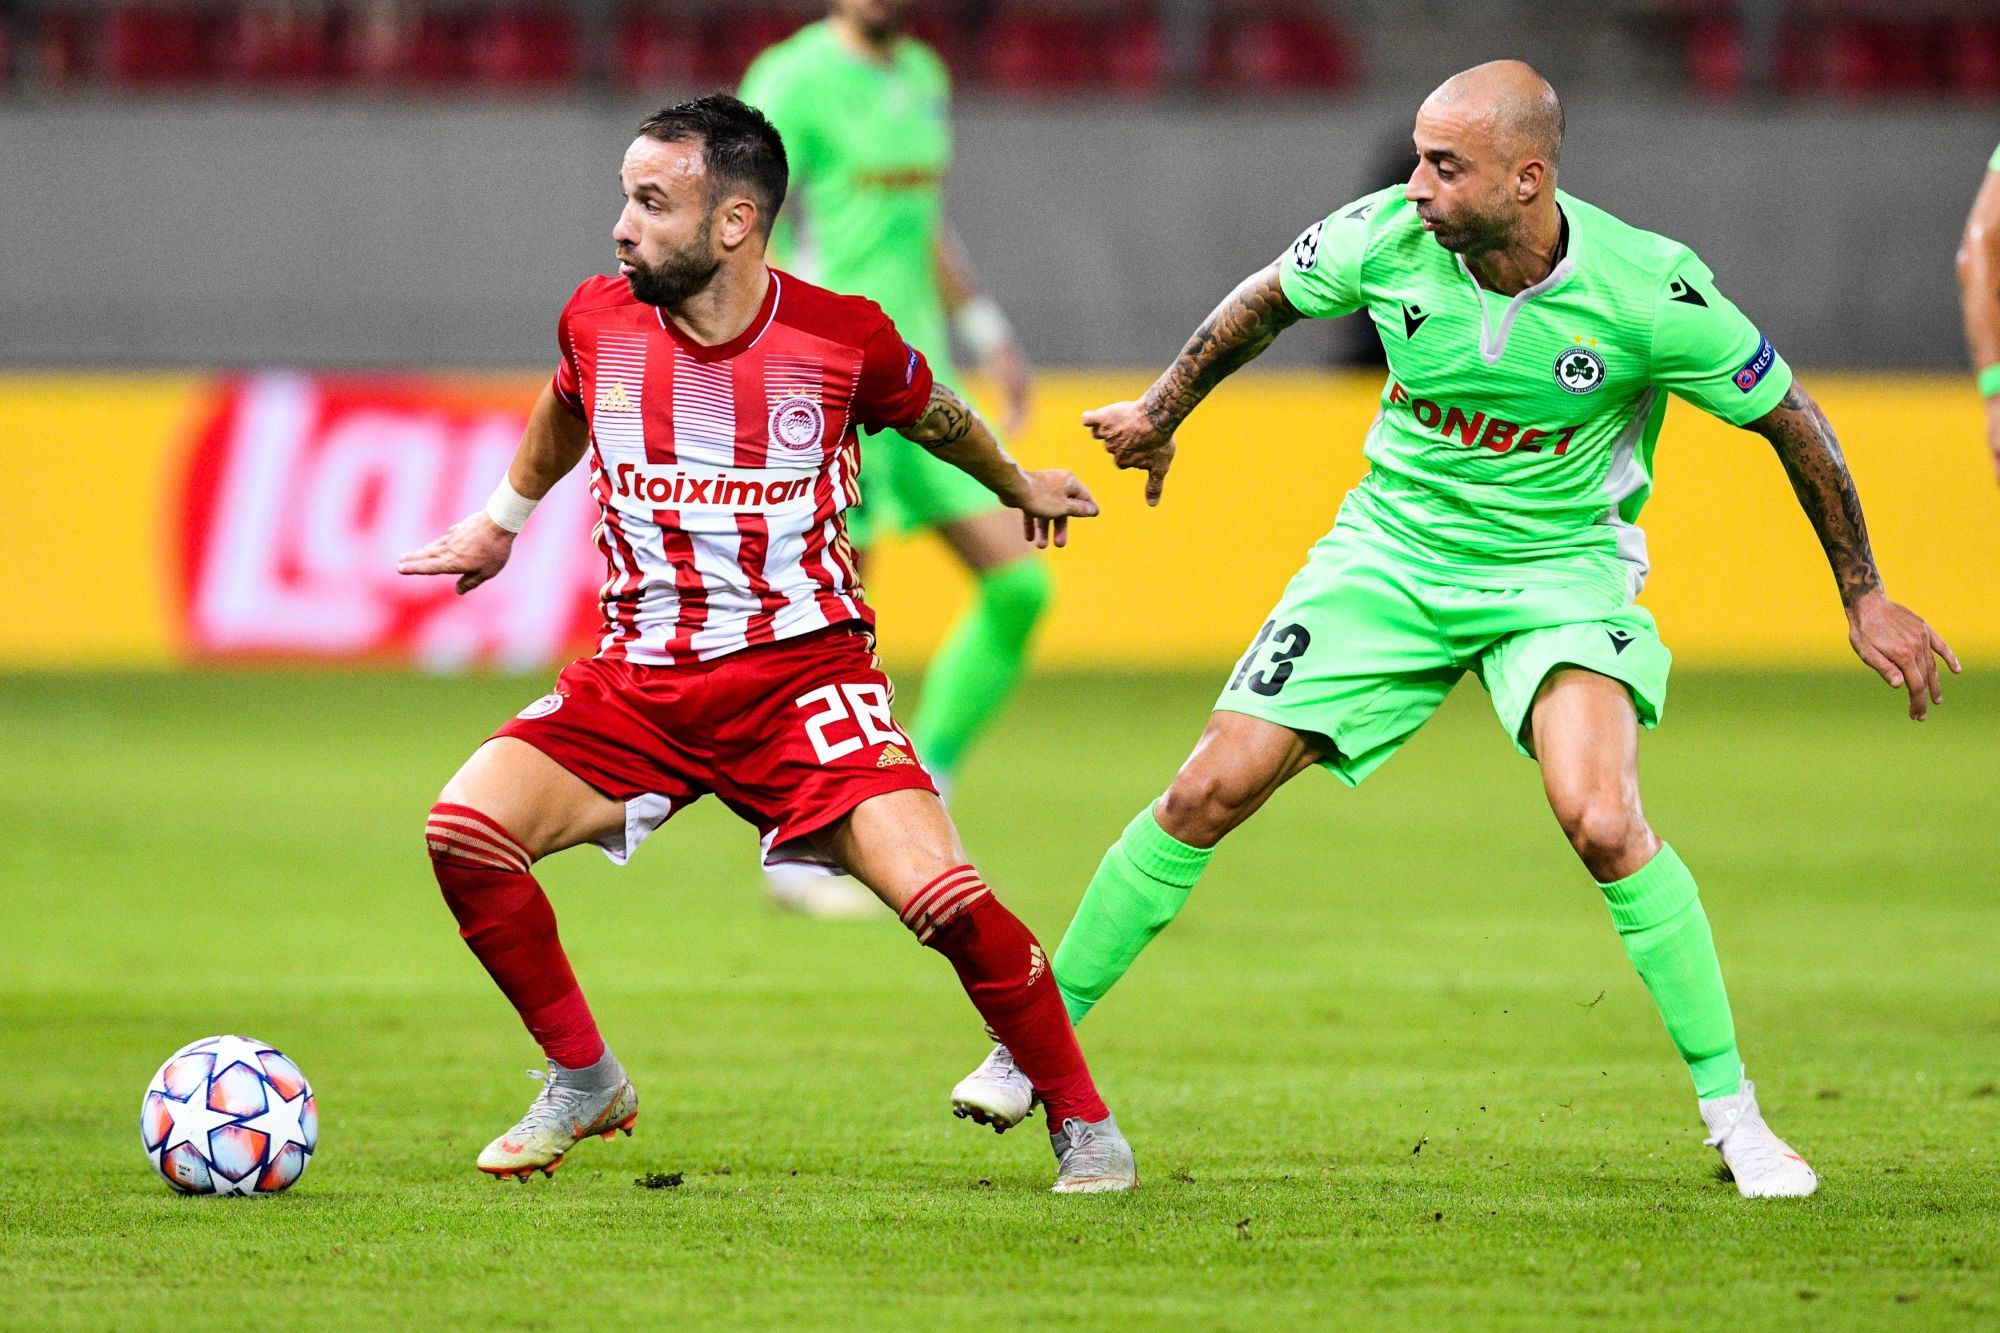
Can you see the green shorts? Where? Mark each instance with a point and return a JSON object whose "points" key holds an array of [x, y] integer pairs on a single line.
{"points": [[1364, 646], [903, 488]]}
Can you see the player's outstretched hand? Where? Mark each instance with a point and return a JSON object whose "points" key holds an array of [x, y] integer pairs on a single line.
{"points": [[1054, 498], [1900, 646], [1133, 441], [475, 548]]}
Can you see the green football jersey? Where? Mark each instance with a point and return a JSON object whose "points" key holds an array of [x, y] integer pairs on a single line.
{"points": [[868, 142], [1514, 445]]}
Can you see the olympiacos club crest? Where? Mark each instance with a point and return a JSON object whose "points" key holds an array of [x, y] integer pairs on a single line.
{"points": [[797, 423], [541, 707]]}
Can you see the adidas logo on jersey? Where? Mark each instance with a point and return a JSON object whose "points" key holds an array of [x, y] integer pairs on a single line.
{"points": [[1038, 963], [614, 399], [892, 756]]}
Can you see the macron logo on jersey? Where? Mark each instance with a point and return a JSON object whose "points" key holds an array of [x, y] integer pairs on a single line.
{"points": [[1758, 366]]}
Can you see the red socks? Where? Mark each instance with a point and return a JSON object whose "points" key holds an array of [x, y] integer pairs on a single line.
{"points": [[506, 918], [1007, 975]]}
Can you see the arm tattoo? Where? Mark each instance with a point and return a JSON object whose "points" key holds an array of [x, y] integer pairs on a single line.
{"points": [[946, 420], [1804, 440], [1246, 322]]}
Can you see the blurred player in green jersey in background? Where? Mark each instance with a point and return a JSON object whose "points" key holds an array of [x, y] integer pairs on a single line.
{"points": [[863, 108], [1979, 293]]}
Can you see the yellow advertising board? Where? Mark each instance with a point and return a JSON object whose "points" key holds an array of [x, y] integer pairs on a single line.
{"points": [[169, 519]]}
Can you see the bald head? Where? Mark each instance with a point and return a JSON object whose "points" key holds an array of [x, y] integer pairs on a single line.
{"points": [[1487, 142], [1508, 106]]}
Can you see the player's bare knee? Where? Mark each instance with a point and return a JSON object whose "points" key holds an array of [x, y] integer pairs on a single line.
{"points": [[1204, 804], [1610, 835]]}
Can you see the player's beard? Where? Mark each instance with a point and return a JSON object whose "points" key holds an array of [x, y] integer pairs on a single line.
{"points": [[679, 274], [1472, 231]]}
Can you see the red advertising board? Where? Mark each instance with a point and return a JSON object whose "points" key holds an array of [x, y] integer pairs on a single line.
{"points": [[301, 491]]}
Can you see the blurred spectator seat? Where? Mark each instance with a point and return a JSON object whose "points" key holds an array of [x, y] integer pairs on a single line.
{"points": [[276, 46], [1276, 48], [1971, 58], [521, 50], [730, 40], [1135, 51], [655, 50], [1852, 57], [155, 46], [1714, 48], [1037, 49], [59, 54]]}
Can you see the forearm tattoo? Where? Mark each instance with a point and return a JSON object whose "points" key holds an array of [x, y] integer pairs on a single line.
{"points": [[1811, 455], [1246, 322], [946, 420]]}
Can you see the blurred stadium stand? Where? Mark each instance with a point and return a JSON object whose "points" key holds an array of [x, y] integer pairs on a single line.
{"points": [[1015, 48], [363, 183]]}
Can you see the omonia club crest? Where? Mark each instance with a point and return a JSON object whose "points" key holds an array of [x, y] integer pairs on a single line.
{"points": [[797, 422], [1579, 370]]}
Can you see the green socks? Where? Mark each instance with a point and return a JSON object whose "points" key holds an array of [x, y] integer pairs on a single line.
{"points": [[1658, 914], [1141, 884], [1144, 881], [977, 667]]}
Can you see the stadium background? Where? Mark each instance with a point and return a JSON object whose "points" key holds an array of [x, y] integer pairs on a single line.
{"points": [[280, 279], [380, 191]]}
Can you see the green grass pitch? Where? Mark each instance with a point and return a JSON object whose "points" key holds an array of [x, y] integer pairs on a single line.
{"points": [[1390, 1068]]}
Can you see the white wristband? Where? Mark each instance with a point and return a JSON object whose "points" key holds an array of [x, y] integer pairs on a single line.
{"points": [[508, 508], [983, 326]]}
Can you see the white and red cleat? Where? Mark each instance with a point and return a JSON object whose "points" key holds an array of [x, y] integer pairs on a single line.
{"points": [[1762, 1164], [997, 1093], [567, 1111]]}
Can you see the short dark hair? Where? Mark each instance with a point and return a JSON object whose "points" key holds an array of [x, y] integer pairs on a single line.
{"points": [[740, 148]]}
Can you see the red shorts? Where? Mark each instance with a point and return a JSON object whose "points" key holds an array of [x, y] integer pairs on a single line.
{"points": [[791, 735]]}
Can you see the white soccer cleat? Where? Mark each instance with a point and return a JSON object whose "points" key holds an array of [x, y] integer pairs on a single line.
{"points": [[997, 1093], [561, 1116], [1762, 1164], [1092, 1157], [827, 897]]}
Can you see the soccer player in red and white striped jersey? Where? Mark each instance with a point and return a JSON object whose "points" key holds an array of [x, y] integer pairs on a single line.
{"points": [[719, 403]]}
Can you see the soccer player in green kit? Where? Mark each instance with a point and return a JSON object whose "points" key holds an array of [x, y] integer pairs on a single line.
{"points": [[1532, 342], [1979, 294], [863, 110]]}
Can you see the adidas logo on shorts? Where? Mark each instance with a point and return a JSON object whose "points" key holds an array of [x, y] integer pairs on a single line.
{"points": [[891, 756]]}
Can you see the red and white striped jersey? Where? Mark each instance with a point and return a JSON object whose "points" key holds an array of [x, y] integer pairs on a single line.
{"points": [[721, 473]]}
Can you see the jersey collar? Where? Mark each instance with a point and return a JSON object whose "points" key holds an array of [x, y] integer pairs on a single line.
{"points": [[1493, 336], [742, 342]]}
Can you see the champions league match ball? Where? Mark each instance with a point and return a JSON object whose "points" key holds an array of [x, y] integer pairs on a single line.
{"points": [[227, 1115]]}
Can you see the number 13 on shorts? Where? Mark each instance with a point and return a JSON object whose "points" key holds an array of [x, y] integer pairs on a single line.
{"points": [[865, 705]]}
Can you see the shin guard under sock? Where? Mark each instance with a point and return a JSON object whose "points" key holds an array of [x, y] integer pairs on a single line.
{"points": [[1006, 974], [1140, 885], [506, 918], [1657, 911]]}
